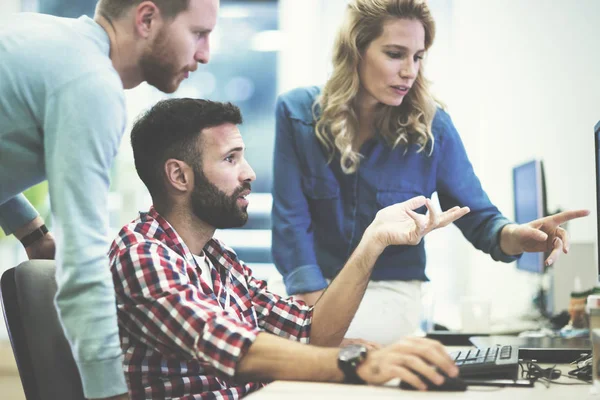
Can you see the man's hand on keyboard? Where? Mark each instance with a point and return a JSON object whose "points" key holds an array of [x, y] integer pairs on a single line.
{"points": [[404, 358], [540, 235]]}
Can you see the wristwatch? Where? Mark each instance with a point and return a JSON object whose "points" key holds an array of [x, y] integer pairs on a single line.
{"points": [[349, 358], [34, 236]]}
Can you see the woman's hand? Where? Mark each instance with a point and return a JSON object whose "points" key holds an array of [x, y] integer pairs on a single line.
{"points": [[540, 235], [398, 224]]}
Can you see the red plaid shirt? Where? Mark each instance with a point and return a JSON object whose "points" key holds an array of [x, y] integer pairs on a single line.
{"points": [[181, 339]]}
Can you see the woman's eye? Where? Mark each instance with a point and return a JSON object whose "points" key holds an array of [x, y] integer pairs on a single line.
{"points": [[229, 159], [395, 55]]}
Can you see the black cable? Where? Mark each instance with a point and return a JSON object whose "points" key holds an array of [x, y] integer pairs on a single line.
{"points": [[549, 375], [582, 372], [535, 372], [582, 357]]}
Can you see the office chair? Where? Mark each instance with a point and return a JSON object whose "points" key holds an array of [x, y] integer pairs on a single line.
{"points": [[46, 365]]}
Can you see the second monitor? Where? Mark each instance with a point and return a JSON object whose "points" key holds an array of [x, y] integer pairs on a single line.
{"points": [[530, 204]]}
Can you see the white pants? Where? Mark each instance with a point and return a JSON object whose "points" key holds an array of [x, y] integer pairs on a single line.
{"points": [[388, 311]]}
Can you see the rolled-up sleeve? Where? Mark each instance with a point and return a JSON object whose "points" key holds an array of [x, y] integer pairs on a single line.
{"points": [[159, 306], [292, 234], [459, 186], [283, 317], [15, 213]]}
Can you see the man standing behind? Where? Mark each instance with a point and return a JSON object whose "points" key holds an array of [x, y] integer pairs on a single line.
{"points": [[62, 115], [194, 322]]}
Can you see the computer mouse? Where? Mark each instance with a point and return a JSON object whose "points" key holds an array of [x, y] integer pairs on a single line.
{"points": [[450, 384]]}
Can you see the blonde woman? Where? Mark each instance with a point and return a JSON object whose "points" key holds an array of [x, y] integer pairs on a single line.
{"points": [[375, 136]]}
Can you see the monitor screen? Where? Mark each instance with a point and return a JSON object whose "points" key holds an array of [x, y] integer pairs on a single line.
{"points": [[529, 199], [597, 140]]}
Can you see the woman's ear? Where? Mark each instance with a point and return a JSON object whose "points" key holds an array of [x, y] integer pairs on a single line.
{"points": [[178, 175]]}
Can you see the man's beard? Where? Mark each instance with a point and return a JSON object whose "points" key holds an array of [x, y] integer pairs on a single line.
{"points": [[157, 67], [215, 207]]}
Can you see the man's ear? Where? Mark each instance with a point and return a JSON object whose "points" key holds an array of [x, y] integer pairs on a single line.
{"points": [[179, 175], [147, 18]]}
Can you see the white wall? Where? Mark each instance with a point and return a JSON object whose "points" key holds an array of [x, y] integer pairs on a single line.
{"points": [[8, 7], [308, 29], [520, 79], [523, 83]]}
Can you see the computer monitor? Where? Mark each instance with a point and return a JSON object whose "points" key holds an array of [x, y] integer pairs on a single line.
{"points": [[529, 192], [597, 156]]}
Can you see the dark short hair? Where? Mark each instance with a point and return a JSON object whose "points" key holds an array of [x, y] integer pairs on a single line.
{"points": [[116, 8], [171, 129]]}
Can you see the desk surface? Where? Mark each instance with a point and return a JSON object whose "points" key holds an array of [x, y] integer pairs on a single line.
{"points": [[287, 390]]}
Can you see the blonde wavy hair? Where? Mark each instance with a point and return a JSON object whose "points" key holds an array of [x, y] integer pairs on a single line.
{"points": [[408, 123]]}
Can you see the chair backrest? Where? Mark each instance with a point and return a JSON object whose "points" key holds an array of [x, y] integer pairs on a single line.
{"points": [[46, 365]]}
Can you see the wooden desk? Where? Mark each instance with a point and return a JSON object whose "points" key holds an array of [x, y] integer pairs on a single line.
{"points": [[287, 390]]}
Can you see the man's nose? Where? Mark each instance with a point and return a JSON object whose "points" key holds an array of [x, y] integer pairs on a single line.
{"points": [[202, 54], [248, 175]]}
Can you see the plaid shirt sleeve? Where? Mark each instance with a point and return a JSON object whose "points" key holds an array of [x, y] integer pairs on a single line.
{"points": [[283, 317], [160, 307]]}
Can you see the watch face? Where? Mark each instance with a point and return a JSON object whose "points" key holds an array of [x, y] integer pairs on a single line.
{"points": [[352, 352]]}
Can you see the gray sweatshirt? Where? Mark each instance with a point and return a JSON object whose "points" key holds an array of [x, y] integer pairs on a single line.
{"points": [[62, 116]]}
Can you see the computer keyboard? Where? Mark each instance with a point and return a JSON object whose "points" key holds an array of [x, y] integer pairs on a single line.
{"points": [[488, 363]]}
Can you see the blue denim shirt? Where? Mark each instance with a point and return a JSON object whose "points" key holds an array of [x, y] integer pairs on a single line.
{"points": [[320, 213]]}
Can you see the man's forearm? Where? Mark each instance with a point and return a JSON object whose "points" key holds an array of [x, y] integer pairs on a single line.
{"points": [[28, 227], [310, 298], [271, 357], [336, 307]]}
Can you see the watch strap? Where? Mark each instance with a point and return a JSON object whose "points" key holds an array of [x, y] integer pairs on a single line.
{"points": [[350, 376], [348, 367], [34, 236]]}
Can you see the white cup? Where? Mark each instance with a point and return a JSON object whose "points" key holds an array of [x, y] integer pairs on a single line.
{"points": [[475, 314]]}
